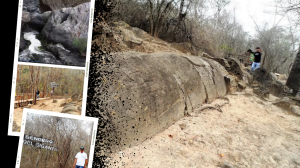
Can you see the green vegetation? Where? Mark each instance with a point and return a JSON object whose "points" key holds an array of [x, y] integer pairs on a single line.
{"points": [[81, 44], [43, 42], [41, 48], [226, 48]]}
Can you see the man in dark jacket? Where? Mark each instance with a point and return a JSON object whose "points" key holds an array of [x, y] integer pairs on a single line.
{"points": [[37, 94], [257, 58]]}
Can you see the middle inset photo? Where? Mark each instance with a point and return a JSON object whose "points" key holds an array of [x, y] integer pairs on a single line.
{"points": [[49, 89]]}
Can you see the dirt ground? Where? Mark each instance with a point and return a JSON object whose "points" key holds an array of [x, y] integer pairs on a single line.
{"points": [[249, 132], [49, 106]]}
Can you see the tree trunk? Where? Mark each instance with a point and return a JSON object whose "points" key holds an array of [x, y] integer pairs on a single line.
{"points": [[151, 17]]}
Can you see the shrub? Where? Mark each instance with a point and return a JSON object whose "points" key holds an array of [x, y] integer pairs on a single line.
{"points": [[81, 44]]}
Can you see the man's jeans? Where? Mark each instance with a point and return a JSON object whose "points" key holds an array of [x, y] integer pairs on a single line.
{"points": [[79, 166], [255, 65], [38, 96]]}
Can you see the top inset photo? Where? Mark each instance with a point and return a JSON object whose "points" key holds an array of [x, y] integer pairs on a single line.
{"points": [[54, 32]]}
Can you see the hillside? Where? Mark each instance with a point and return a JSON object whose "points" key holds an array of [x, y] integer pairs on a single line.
{"points": [[172, 106]]}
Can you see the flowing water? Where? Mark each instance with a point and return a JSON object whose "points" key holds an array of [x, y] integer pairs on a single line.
{"points": [[33, 53], [35, 43], [62, 55]]}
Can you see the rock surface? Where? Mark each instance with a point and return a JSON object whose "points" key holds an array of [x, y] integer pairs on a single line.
{"points": [[32, 6], [66, 24], [295, 110], [58, 4], [41, 6], [235, 76], [226, 165], [268, 82], [65, 56], [71, 105], [151, 92], [38, 21], [293, 80], [23, 43], [119, 36], [71, 108]]}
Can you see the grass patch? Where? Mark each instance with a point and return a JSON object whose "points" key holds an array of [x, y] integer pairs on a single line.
{"points": [[80, 44]]}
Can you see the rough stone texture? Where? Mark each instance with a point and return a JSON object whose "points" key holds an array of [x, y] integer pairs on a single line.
{"points": [[295, 110], [119, 36], [66, 24], [65, 56], [25, 16], [23, 43], [186, 48], [267, 82], [152, 91], [62, 104], [284, 104], [235, 67], [41, 6], [44, 7], [46, 57], [226, 165], [242, 85], [74, 97], [293, 80], [38, 21], [71, 108], [58, 4], [233, 72], [282, 77], [31, 6]]}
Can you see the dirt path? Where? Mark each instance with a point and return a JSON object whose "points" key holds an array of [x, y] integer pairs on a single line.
{"points": [[249, 133], [49, 106]]}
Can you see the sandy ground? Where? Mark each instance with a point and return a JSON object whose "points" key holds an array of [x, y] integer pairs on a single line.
{"points": [[50, 106], [249, 132]]}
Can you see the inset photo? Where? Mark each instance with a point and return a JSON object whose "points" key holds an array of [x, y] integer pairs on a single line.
{"points": [[54, 32], [56, 140], [46, 88]]}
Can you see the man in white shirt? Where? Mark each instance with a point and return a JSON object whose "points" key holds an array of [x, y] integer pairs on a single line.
{"points": [[80, 159]]}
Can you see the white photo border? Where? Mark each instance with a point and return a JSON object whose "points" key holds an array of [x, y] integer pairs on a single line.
{"points": [[16, 63], [48, 113]]}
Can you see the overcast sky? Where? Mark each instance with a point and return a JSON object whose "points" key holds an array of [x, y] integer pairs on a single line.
{"points": [[261, 10]]}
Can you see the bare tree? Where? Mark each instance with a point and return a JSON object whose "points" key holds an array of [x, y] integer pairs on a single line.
{"points": [[158, 14]]}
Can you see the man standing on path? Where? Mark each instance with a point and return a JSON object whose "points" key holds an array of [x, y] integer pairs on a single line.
{"points": [[257, 58], [37, 94], [80, 159], [51, 92]]}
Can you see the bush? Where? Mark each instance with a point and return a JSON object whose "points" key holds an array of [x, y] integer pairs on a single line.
{"points": [[81, 44]]}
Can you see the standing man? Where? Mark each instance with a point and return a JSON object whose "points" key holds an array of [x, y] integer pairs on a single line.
{"points": [[257, 58], [251, 56], [37, 94], [80, 159], [51, 92]]}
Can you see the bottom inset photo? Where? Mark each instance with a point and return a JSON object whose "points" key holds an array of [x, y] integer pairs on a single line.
{"points": [[56, 140]]}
